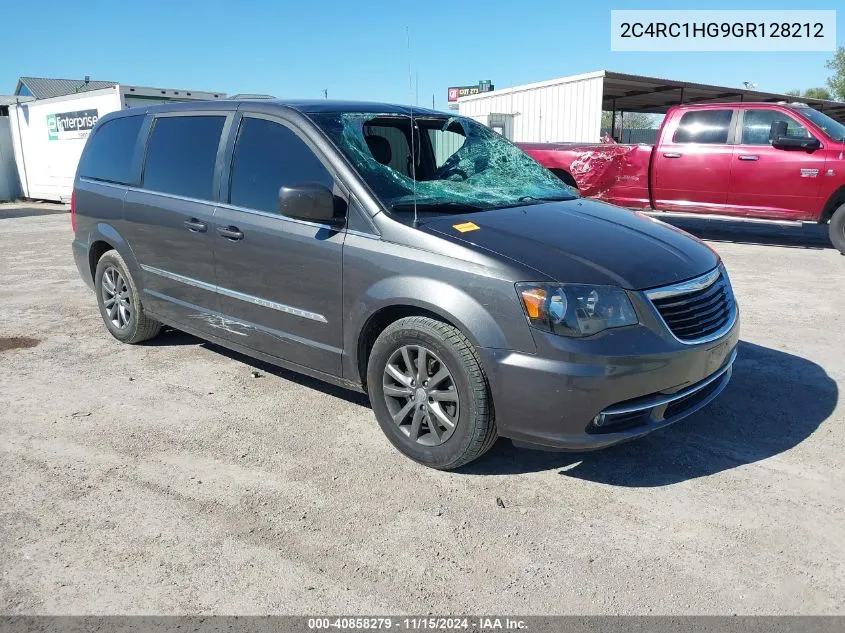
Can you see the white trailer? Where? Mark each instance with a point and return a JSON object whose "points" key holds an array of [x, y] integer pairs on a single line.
{"points": [[48, 134]]}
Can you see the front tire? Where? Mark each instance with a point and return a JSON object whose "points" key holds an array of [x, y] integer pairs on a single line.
{"points": [[120, 303], [837, 229], [429, 393]]}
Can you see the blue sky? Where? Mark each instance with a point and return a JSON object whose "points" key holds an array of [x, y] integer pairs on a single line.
{"points": [[357, 50]]}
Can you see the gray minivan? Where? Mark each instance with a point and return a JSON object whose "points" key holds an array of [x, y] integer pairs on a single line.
{"points": [[410, 254]]}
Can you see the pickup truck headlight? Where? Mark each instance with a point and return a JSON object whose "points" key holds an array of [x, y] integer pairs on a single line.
{"points": [[575, 310]]}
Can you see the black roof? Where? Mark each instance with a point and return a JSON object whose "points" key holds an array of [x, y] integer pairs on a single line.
{"points": [[638, 93]]}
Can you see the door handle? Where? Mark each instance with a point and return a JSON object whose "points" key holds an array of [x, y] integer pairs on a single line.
{"points": [[748, 157], [195, 226], [671, 155], [230, 232]]}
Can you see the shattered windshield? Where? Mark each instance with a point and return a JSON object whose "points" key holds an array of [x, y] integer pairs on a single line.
{"points": [[448, 164]]}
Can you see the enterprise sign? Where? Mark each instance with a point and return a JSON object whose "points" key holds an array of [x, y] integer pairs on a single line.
{"points": [[69, 125]]}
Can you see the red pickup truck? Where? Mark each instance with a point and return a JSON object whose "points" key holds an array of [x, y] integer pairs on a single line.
{"points": [[752, 160]]}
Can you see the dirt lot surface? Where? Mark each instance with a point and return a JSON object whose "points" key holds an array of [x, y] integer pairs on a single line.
{"points": [[164, 478]]}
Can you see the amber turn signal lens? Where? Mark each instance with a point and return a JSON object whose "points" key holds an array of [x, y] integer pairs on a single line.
{"points": [[533, 298]]}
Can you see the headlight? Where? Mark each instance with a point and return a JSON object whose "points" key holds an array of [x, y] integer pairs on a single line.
{"points": [[575, 309]]}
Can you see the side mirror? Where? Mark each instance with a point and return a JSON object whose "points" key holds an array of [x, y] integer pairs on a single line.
{"points": [[779, 138], [777, 130], [796, 142], [310, 201]]}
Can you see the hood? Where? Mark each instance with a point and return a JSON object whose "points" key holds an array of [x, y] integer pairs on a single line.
{"points": [[583, 241]]}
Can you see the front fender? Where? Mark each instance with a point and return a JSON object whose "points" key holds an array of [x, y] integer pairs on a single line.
{"points": [[498, 324]]}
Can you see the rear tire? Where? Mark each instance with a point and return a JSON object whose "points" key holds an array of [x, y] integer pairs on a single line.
{"points": [[837, 229], [120, 303], [443, 422]]}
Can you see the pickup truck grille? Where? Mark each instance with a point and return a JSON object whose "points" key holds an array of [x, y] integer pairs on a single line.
{"points": [[697, 310]]}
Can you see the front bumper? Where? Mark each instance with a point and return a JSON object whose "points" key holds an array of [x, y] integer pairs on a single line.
{"points": [[580, 394]]}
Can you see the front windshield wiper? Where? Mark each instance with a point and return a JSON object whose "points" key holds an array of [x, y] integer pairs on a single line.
{"points": [[547, 198], [429, 206], [464, 207]]}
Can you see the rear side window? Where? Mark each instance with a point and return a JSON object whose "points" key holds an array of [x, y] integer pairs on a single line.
{"points": [[269, 156], [705, 126], [108, 155], [181, 155]]}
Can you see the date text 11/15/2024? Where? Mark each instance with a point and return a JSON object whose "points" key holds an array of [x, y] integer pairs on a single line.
{"points": [[417, 623]]}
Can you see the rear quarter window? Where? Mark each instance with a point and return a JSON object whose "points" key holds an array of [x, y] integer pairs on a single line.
{"points": [[110, 152]]}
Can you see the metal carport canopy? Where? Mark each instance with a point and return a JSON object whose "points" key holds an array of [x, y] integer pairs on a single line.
{"points": [[637, 93]]}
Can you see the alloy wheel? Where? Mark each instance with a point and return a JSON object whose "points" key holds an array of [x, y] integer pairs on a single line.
{"points": [[421, 395], [116, 300]]}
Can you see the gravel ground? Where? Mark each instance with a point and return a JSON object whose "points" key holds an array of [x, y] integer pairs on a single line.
{"points": [[164, 478]]}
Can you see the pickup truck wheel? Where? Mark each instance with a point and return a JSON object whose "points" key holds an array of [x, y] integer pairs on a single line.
{"points": [[837, 229], [429, 393], [119, 301]]}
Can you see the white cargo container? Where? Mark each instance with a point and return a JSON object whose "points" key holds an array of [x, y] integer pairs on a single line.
{"points": [[48, 134]]}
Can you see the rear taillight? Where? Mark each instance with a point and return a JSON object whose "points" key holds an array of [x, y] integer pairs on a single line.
{"points": [[73, 210]]}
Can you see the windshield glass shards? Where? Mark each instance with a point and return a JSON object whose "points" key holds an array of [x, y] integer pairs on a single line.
{"points": [[450, 165]]}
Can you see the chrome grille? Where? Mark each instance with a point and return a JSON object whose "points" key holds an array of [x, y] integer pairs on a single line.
{"points": [[697, 310]]}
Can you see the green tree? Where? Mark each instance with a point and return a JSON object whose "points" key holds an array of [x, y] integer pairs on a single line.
{"points": [[836, 83], [810, 93], [817, 93], [631, 120]]}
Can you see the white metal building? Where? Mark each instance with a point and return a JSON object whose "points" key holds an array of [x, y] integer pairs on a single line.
{"points": [[564, 109], [568, 109]]}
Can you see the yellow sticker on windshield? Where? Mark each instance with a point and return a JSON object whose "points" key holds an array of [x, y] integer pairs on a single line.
{"points": [[466, 226]]}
